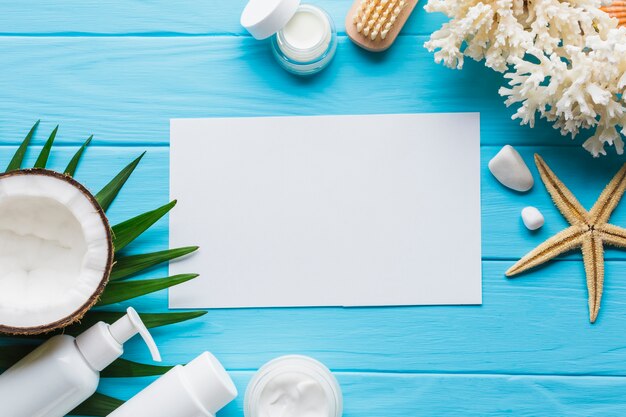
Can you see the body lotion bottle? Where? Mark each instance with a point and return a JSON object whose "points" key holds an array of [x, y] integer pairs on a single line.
{"points": [[199, 389], [64, 371]]}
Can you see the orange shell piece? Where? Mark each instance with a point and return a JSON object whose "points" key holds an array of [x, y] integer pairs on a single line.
{"points": [[618, 10]]}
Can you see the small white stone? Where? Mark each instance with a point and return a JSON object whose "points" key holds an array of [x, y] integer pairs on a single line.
{"points": [[532, 218], [510, 169]]}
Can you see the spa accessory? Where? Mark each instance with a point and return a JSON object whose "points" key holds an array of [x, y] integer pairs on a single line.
{"points": [[199, 389], [293, 385], [375, 24], [510, 169], [304, 39], [589, 231], [532, 218], [64, 371], [57, 247], [617, 9], [126, 265]]}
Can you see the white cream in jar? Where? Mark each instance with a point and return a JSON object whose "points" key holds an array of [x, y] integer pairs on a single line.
{"points": [[293, 386], [304, 39]]}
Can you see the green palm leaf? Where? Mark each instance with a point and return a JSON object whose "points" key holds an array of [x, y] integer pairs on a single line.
{"points": [[10, 354], [16, 161], [42, 159], [98, 405], [128, 266], [123, 368], [151, 320], [71, 167], [124, 233], [106, 196], [116, 292]]}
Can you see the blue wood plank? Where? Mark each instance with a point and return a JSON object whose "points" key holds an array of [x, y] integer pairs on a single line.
{"points": [[159, 17], [390, 361], [433, 395], [534, 324], [504, 234], [146, 189], [125, 89]]}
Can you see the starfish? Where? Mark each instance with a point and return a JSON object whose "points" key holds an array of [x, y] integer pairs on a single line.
{"points": [[588, 231]]}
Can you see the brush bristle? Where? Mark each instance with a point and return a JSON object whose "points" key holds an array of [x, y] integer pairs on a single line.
{"points": [[375, 18], [618, 10]]}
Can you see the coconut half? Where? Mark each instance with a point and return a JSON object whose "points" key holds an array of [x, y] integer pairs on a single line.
{"points": [[56, 251]]}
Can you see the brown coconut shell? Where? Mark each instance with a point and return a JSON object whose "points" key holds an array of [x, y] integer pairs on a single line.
{"points": [[93, 299]]}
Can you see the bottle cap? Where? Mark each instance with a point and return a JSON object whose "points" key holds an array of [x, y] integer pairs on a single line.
{"points": [[101, 344], [263, 18], [128, 326], [210, 382]]}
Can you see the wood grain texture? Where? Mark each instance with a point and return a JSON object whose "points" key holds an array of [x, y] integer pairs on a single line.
{"points": [[510, 333], [536, 324], [504, 235], [444, 395], [121, 69], [146, 189], [159, 17], [124, 90]]}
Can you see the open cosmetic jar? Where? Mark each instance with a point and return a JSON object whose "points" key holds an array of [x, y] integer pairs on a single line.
{"points": [[303, 36], [293, 385]]}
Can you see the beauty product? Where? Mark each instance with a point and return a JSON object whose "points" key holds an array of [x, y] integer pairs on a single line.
{"points": [[199, 389], [293, 386], [303, 36], [375, 24], [64, 371]]}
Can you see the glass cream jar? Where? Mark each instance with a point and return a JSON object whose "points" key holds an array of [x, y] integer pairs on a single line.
{"points": [[291, 386], [303, 36], [307, 43]]}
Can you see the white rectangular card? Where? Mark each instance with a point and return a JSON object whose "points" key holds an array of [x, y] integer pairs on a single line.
{"points": [[327, 211]]}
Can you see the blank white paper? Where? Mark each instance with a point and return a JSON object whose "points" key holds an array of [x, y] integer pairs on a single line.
{"points": [[327, 211]]}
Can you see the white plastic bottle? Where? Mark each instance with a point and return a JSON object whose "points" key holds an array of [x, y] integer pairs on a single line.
{"points": [[199, 389], [64, 371]]}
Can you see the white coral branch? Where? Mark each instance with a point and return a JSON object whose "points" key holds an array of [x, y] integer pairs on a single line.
{"points": [[565, 60]]}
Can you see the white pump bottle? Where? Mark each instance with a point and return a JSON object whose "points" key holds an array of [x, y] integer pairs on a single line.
{"points": [[64, 371]]}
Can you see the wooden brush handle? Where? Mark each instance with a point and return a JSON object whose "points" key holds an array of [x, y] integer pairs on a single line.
{"points": [[377, 45]]}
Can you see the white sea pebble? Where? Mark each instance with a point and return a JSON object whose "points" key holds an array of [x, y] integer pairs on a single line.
{"points": [[510, 169], [532, 218]]}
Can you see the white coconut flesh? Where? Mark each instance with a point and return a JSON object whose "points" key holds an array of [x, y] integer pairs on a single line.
{"points": [[55, 249]]}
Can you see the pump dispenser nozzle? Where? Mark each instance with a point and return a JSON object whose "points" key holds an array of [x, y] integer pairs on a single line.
{"points": [[128, 326], [64, 371], [101, 344]]}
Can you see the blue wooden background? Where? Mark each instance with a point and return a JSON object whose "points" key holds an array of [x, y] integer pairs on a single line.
{"points": [[120, 69]]}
